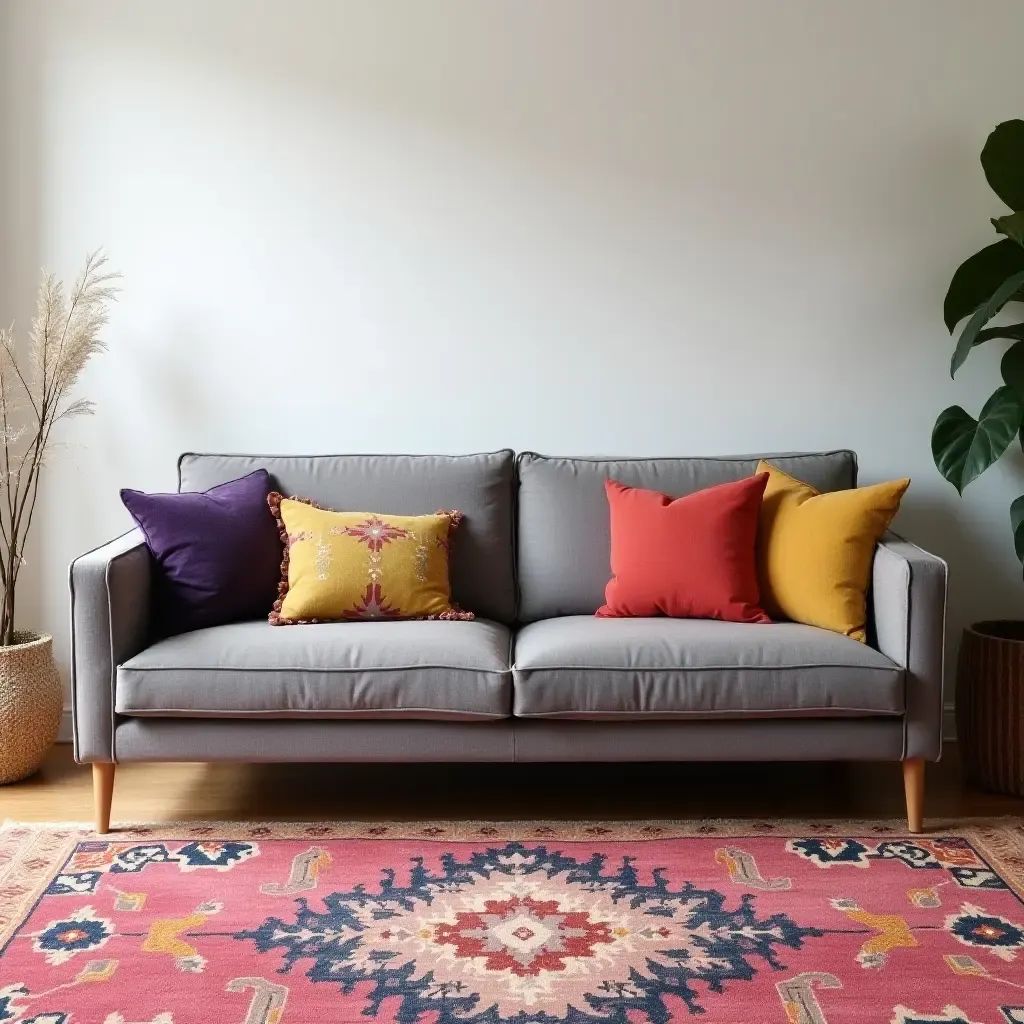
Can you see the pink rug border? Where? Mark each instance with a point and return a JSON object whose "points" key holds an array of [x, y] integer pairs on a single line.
{"points": [[31, 853]]}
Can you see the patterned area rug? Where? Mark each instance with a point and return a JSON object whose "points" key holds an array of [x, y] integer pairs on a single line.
{"points": [[513, 923]]}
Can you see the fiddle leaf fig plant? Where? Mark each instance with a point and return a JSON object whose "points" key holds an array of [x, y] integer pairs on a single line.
{"points": [[984, 284]]}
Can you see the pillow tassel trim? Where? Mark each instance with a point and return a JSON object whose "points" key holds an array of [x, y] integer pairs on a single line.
{"points": [[274, 499]]}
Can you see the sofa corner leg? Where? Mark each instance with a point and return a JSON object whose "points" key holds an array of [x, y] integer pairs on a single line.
{"points": [[102, 793], [913, 787]]}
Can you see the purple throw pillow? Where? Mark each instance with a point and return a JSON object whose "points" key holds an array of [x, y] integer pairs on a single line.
{"points": [[217, 553]]}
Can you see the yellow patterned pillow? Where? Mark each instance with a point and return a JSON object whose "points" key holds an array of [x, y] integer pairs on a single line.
{"points": [[360, 565]]}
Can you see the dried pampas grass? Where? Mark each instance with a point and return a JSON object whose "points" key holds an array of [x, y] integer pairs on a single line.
{"points": [[35, 395]]}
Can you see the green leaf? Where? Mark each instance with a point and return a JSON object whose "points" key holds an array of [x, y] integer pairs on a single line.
{"points": [[964, 447], [1017, 525], [988, 309], [978, 277], [1012, 367], [1003, 161], [1012, 225], [1012, 331]]}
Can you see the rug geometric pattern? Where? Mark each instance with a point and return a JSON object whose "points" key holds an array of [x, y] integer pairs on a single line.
{"points": [[512, 924]]}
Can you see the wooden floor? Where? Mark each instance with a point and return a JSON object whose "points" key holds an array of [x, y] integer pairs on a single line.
{"points": [[61, 791]]}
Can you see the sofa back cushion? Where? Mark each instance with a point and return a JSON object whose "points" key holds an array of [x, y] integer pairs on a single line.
{"points": [[479, 486], [563, 521]]}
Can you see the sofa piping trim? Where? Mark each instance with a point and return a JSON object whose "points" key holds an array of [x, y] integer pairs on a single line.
{"points": [[110, 635], [537, 456], [318, 671], [704, 668], [723, 713], [945, 607], [338, 455], [300, 713]]}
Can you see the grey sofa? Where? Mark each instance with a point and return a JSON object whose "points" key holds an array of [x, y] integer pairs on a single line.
{"points": [[536, 677]]}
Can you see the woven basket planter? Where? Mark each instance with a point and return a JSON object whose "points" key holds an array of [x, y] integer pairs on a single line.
{"points": [[990, 705], [31, 700]]}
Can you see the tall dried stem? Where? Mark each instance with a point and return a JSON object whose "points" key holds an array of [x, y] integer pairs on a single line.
{"points": [[35, 387]]}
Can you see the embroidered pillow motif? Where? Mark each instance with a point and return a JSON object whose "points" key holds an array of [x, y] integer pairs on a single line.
{"points": [[361, 565]]}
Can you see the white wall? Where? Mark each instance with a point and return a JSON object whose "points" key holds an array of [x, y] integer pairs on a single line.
{"points": [[580, 226]]}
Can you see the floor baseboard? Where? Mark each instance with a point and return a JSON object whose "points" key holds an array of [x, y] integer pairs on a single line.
{"points": [[65, 734]]}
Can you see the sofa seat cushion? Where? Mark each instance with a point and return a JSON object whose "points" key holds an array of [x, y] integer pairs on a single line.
{"points": [[584, 667], [428, 669]]}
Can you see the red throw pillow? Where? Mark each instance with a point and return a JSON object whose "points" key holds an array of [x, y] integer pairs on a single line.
{"points": [[691, 558]]}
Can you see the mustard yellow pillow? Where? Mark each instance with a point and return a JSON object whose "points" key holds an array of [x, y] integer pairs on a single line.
{"points": [[360, 565], [815, 550]]}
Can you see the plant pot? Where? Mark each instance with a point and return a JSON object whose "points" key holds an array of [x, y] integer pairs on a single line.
{"points": [[31, 700], [990, 705]]}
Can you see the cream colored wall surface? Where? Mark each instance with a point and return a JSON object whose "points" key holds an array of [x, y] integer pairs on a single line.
{"points": [[578, 226]]}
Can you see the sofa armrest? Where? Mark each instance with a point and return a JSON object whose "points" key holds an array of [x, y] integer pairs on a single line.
{"points": [[908, 606], [109, 623]]}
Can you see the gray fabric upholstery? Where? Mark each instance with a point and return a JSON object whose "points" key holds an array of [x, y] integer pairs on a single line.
{"points": [[220, 739], [109, 622], [761, 739], [858, 703], [446, 670], [225, 739], [563, 536], [588, 668], [908, 612], [479, 486]]}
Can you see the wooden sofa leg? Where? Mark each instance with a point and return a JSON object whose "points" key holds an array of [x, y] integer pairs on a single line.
{"points": [[913, 786], [102, 794]]}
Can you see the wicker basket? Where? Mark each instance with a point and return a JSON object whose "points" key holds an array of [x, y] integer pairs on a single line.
{"points": [[990, 705], [31, 699]]}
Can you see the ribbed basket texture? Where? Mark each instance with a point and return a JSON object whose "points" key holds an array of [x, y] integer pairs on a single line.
{"points": [[31, 700], [990, 705]]}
